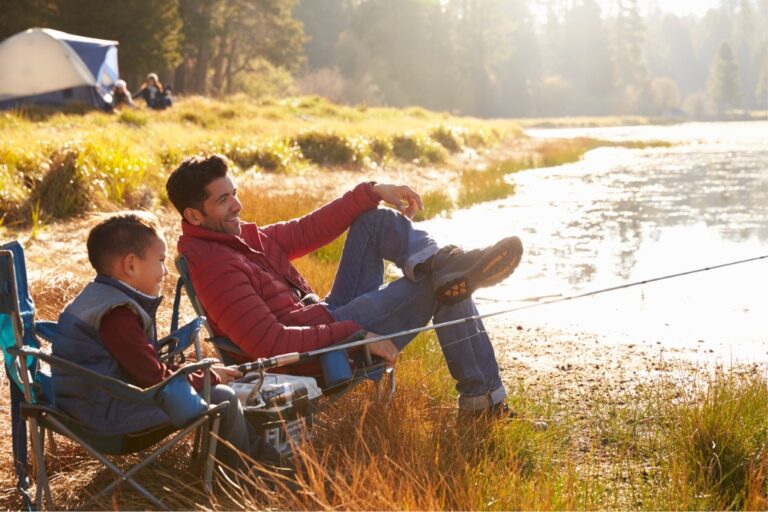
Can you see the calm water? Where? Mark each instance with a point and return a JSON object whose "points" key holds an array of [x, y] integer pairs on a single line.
{"points": [[623, 215]]}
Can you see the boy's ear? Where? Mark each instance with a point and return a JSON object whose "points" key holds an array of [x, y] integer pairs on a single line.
{"points": [[193, 216], [124, 266]]}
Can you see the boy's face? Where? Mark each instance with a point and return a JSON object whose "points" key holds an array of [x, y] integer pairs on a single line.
{"points": [[148, 272], [221, 211]]}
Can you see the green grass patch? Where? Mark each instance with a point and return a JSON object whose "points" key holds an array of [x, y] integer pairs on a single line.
{"points": [[721, 437], [133, 117], [481, 185], [436, 202]]}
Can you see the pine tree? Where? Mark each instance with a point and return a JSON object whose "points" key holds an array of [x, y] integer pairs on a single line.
{"points": [[723, 86]]}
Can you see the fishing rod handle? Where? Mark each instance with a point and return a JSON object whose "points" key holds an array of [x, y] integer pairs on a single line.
{"points": [[271, 362]]}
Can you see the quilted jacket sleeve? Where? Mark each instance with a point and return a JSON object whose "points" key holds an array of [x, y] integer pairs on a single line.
{"points": [[232, 295], [305, 234]]}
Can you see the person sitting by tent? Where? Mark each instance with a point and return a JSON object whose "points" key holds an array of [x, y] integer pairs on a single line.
{"points": [[154, 93], [121, 95]]}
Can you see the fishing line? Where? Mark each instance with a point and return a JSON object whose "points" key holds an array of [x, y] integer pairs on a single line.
{"points": [[295, 357]]}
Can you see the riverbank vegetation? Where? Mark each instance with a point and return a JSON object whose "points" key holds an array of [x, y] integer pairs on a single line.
{"points": [[697, 442], [55, 165]]}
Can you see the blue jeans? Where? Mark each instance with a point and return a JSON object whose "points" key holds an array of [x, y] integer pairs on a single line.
{"points": [[359, 294]]}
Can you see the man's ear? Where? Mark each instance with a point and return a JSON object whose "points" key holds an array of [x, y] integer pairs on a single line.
{"points": [[193, 216]]}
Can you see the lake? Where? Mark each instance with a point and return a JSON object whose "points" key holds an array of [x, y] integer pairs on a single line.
{"points": [[623, 215]]}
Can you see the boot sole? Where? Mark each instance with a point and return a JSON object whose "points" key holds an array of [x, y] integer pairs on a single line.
{"points": [[493, 267]]}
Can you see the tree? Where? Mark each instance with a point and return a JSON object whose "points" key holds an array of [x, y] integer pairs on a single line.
{"points": [[149, 32], [761, 89], [631, 70], [197, 23], [19, 15], [246, 31], [723, 87], [666, 95], [323, 22]]}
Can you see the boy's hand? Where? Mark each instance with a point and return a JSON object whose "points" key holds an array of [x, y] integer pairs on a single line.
{"points": [[226, 373], [402, 197]]}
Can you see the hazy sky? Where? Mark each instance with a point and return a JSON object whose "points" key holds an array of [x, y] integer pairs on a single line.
{"points": [[678, 7]]}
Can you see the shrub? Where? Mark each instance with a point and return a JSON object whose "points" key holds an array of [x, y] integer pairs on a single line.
{"points": [[477, 139], [198, 118], [416, 147], [116, 170], [272, 155], [65, 190], [12, 190], [379, 149], [326, 148], [450, 137]]}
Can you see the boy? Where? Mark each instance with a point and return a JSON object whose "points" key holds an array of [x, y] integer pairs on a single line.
{"points": [[110, 328]]}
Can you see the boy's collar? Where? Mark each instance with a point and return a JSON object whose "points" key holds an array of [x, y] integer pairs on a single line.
{"points": [[148, 302]]}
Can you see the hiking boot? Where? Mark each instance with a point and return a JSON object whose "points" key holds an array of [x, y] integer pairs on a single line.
{"points": [[457, 273], [500, 411]]}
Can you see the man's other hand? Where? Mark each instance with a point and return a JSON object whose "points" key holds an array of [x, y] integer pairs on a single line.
{"points": [[401, 197], [384, 349], [226, 373]]}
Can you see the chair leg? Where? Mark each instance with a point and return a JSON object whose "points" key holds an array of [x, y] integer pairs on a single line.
{"points": [[211, 453], [122, 476], [54, 449], [43, 490]]}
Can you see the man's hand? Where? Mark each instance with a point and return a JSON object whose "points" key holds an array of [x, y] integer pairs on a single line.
{"points": [[402, 197], [384, 349], [226, 373]]}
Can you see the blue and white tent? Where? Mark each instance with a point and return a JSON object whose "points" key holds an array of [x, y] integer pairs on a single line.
{"points": [[46, 66]]}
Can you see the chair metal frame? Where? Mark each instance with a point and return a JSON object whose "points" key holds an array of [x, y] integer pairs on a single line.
{"points": [[229, 353], [41, 415]]}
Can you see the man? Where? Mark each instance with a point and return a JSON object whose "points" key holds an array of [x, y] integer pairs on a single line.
{"points": [[255, 297]]}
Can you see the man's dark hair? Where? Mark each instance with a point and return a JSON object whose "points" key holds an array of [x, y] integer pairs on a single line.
{"points": [[186, 186], [119, 235]]}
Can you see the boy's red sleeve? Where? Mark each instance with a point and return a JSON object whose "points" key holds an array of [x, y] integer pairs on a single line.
{"points": [[122, 334]]}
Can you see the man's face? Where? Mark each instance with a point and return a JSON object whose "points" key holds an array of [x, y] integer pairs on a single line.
{"points": [[221, 211]]}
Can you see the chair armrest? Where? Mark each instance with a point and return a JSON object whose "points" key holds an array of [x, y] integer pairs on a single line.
{"points": [[114, 387], [185, 371], [46, 330], [179, 340]]}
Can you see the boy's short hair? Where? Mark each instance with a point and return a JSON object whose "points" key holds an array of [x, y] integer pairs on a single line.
{"points": [[119, 235], [186, 186]]}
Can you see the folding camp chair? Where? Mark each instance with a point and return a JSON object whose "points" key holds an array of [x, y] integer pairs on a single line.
{"points": [[365, 368], [32, 399]]}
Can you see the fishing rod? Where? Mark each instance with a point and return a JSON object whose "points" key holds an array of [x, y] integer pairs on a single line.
{"points": [[359, 339]]}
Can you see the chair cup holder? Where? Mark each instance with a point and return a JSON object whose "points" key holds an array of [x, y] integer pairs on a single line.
{"points": [[335, 367]]}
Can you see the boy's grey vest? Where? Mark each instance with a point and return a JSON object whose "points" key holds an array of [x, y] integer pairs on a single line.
{"points": [[78, 341]]}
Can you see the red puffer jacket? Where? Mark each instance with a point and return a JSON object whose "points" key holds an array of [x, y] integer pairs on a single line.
{"points": [[244, 283]]}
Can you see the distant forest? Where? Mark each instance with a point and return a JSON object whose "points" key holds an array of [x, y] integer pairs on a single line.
{"points": [[490, 58]]}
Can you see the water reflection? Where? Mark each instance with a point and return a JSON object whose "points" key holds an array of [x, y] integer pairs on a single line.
{"points": [[623, 215]]}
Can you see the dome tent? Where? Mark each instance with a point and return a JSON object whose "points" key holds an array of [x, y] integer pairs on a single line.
{"points": [[45, 66]]}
